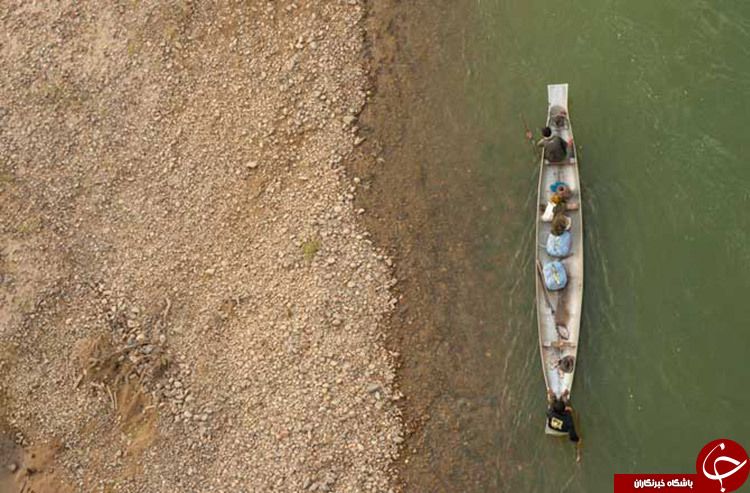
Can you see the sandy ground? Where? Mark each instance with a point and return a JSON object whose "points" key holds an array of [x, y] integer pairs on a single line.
{"points": [[188, 300], [427, 208]]}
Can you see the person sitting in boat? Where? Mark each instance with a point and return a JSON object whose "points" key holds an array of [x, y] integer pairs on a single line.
{"points": [[558, 116], [555, 148], [560, 415], [560, 223]]}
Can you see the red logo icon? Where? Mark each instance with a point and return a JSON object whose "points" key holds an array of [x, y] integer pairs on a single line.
{"points": [[724, 464]]}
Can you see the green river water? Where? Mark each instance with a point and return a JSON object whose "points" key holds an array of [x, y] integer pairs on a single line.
{"points": [[659, 100]]}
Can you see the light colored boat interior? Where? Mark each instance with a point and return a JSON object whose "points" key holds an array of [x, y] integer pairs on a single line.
{"points": [[559, 312]]}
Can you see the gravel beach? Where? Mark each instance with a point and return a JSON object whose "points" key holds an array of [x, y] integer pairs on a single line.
{"points": [[188, 298]]}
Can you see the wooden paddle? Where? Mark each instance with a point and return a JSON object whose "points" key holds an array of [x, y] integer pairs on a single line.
{"points": [[579, 445], [544, 287]]}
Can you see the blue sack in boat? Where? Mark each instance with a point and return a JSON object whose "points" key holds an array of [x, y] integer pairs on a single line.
{"points": [[555, 277], [559, 246]]}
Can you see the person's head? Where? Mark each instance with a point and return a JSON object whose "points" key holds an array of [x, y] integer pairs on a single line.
{"points": [[547, 132], [559, 406]]}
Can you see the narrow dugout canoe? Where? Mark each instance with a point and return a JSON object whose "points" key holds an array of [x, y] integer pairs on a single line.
{"points": [[559, 312]]}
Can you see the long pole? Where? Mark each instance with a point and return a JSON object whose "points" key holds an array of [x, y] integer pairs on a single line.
{"points": [[544, 287], [579, 445], [529, 135]]}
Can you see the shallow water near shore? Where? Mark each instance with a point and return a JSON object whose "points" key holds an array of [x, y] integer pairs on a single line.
{"points": [[659, 95]]}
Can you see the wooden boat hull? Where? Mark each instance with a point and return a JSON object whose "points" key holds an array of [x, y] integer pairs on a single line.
{"points": [[559, 312]]}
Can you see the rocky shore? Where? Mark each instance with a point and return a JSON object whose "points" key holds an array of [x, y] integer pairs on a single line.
{"points": [[188, 299]]}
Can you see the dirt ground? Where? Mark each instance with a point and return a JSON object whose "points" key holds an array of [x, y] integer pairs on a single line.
{"points": [[188, 298], [425, 212]]}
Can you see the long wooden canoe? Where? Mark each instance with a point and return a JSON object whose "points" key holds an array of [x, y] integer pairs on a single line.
{"points": [[559, 312]]}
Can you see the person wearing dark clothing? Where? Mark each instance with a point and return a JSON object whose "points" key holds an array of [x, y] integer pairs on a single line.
{"points": [[560, 418], [560, 223], [555, 148]]}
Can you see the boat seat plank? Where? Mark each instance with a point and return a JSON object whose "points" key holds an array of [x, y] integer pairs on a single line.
{"points": [[559, 344], [560, 163], [570, 206]]}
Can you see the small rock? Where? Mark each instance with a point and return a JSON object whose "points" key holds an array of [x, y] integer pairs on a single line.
{"points": [[252, 164], [12, 467]]}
